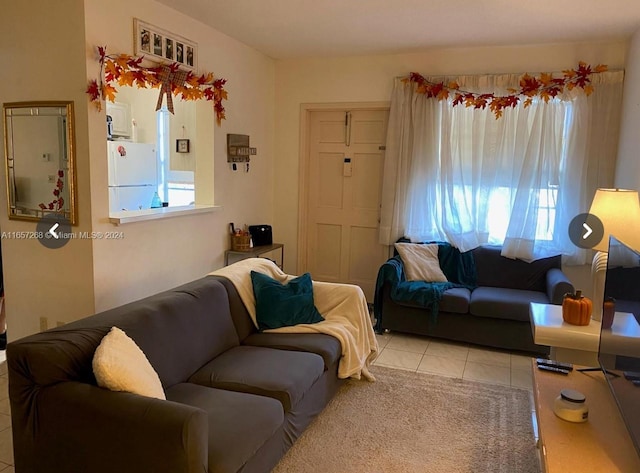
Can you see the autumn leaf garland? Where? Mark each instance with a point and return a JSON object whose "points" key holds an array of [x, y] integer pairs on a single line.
{"points": [[126, 70], [546, 86]]}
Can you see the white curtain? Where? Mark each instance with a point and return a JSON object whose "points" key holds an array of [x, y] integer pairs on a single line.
{"points": [[461, 175]]}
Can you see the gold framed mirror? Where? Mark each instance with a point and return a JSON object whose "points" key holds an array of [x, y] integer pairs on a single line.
{"points": [[40, 160]]}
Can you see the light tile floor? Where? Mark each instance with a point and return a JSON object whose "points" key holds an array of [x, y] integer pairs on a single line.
{"points": [[455, 360], [401, 351]]}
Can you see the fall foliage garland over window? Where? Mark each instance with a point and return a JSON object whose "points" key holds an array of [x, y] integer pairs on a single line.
{"points": [[124, 69], [546, 87]]}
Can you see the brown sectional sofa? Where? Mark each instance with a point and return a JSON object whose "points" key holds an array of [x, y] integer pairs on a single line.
{"points": [[236, 399], [495, 313]]}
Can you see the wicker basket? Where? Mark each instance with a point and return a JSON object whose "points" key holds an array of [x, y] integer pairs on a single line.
{"points": [[240, 242]]}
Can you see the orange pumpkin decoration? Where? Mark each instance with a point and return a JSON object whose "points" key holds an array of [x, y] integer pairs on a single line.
{"points": [[576, 309]]}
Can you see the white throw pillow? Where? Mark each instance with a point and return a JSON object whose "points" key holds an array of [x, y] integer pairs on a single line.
{"points": [[120, 365], [421, 262]]}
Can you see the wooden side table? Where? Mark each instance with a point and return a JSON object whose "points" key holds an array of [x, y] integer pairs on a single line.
{"points": [[600, 445], [254, 253]]}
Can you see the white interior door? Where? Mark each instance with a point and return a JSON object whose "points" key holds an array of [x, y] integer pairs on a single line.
{"points": [[346, 157]]}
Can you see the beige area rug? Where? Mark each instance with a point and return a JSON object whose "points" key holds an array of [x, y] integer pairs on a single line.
{"points": [[413, 422]]}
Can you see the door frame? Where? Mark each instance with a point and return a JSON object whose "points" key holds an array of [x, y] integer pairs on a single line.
{"points": [[303, 167]]}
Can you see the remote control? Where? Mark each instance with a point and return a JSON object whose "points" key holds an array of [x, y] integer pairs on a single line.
{"points": [[631, 375], [553, 370], [554, 364]]}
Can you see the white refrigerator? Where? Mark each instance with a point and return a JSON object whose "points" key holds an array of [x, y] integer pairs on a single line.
{"points": [[133, 175]]}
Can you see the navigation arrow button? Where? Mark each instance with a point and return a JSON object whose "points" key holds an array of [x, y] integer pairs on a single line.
{"points": [[586, 230], [52, 230]]}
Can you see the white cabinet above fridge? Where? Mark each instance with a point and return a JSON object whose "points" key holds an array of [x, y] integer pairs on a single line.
{"points": [[120, 114]]}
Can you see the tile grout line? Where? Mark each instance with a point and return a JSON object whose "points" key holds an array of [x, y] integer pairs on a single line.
{"points": [[423, 354]]}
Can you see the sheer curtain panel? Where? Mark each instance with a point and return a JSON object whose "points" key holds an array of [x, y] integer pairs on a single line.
{"points": [[461, 175]]}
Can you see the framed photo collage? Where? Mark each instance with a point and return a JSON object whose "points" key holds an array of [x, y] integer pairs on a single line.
{"points": [[157, 43]]}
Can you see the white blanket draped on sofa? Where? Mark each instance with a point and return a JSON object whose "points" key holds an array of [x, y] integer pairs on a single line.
{"points": [[343, 306]]}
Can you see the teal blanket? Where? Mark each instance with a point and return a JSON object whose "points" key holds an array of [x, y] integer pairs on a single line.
{"points": [[459, 268]]}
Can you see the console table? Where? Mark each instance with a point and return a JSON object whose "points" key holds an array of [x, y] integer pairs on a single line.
{"points": [[602, 444], [254, 253]]}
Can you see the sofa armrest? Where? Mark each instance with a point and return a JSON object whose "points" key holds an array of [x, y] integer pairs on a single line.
{"points": [[391, 273], [557, 285], [72, 426]]}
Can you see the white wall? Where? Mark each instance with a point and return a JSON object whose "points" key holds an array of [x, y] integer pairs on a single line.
{"points": [[370, 79], [183, 125], [161, 254], [628, 166], [42, 56]]}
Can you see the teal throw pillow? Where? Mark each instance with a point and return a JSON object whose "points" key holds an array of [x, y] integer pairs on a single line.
{"points": [[279, 305]]}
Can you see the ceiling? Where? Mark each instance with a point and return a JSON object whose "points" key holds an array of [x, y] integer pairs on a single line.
{"points": [[284, 29]]}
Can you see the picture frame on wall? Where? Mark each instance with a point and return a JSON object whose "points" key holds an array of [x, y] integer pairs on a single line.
{"points": [[157, 44], [160, 45], [182, 146], [168, 49]]}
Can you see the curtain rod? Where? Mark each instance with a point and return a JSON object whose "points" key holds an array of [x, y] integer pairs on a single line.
{"points": [[497, 73]]}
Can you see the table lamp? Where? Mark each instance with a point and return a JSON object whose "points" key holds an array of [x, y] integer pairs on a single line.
{"points": [[619, 212]]}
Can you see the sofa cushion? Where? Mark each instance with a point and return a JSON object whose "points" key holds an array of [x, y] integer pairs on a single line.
{"points": [[421, 262], [501, 303], [495, 270], [455, 300], [120, 365], [178, 330], [282, 305], [239, 314], [326, 346], [239, 423], [281, 374], [182, 329]]}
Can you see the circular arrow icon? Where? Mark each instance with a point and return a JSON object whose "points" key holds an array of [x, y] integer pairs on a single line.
{"points": [[53, 231], [586, 231]]}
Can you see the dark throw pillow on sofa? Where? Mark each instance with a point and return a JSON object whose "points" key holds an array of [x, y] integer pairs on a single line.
{"points": [[279, 305]]}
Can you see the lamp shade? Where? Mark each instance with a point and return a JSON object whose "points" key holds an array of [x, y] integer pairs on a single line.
{"points": [[619, 211]]}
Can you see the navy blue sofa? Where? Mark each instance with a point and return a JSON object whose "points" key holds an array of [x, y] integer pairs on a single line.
{"points": [[492, 312]]}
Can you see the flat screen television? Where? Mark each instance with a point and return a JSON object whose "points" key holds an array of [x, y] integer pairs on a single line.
{"points": [[619, 353]]}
